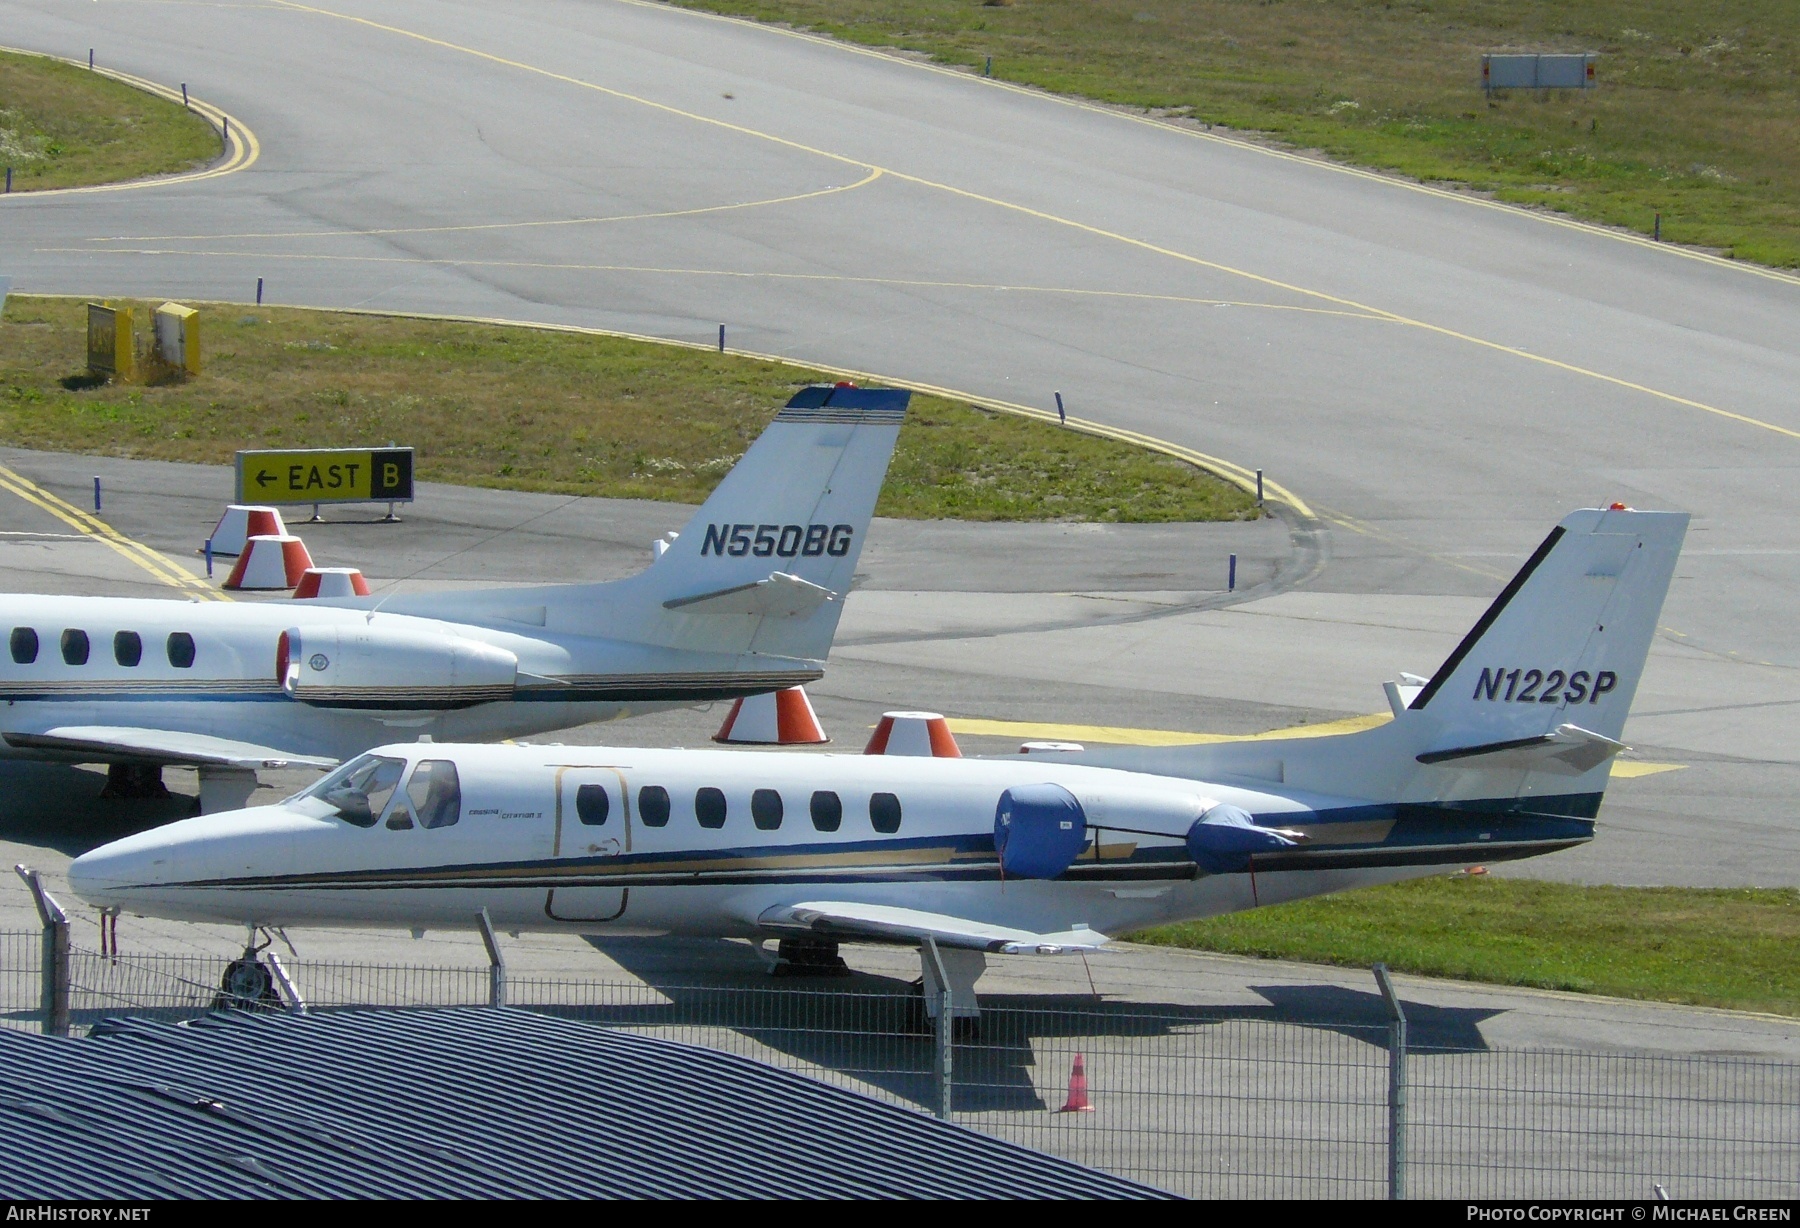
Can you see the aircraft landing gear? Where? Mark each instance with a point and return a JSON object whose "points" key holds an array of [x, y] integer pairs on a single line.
{"points": [[808, 957], [963, 968], [247, 985], [250, 983], [921, 1018], [134, 782]]}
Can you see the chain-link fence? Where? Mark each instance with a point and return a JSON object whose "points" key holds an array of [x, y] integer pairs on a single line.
{"points": [[1201, 1101]]}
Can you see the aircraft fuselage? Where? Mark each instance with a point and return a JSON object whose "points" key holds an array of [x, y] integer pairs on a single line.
{"points": [[212, 670], [595, 839]]}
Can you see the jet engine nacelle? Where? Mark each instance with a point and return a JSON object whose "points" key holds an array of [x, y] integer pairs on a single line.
{"points": [[1225, 838], [351, 666], [1039, 830]]}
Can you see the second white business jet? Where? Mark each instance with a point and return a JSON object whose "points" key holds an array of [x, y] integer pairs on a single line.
{"points": [[746, 599], [1504, 753]]}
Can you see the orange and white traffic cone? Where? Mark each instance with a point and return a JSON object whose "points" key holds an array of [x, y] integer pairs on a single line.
{"points": [[331, 582], [924, 734], [240, 523], [777, 718], [270, 562], [1078, 1094]]}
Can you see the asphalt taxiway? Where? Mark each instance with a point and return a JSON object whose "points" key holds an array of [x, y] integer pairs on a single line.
{"points": [[912, 608], [1435, 379]]}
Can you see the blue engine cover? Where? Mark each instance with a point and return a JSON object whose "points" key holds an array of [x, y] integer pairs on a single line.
{"points": [[1039, 831], [1222, 840]]}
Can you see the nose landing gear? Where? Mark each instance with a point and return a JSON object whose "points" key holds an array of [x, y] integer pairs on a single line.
{"points": [[256, 982]]}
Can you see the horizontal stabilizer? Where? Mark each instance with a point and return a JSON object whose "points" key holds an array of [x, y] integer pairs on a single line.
{"points": [[116, 744], [883, 923], [779, 596], [1569, 750]]}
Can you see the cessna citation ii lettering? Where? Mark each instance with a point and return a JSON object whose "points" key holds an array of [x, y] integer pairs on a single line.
{"points": [[1045, 853], [230, 688]]}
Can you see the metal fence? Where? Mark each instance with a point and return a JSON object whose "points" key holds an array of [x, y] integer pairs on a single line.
{"points": [[1199, 1101]]}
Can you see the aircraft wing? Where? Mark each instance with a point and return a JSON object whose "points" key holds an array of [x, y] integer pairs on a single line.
{"points": [[886, 923], [122, 744], [1567, 751]]}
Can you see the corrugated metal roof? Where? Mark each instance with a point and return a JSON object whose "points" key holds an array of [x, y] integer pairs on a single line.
{"points": [[473, 1103]]}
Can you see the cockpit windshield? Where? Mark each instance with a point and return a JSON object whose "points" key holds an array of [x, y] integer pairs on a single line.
{"points": [[357, 792]]}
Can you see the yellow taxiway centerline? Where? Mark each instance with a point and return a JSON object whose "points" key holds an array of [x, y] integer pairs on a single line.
{"points": [[1121, 736], [1118, 735], [1027, 211], [891, 56], [93, 527]]}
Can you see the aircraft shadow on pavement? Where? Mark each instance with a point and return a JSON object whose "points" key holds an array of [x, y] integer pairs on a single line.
{"points": [[1363, 1015], [58, 806], [872, 1028]]}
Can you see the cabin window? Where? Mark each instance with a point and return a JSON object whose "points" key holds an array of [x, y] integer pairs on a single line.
{"points": [[360, 790], [827, 811], [653, 806], [128, 649], [592, 804], [884, 813], [181, 650], [765, 809], [436, 793], [24, 645], [709, 807], [74, 647]]}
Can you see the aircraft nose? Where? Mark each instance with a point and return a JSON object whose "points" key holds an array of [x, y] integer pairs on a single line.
{"points": [[104, 876]]}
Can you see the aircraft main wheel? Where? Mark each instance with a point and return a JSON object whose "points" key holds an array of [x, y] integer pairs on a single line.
{"points": [[134, 782], [809, 957]]}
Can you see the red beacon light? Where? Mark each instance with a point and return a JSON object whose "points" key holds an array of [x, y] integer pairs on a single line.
{"points": [[1618, 507], [843, 383]]}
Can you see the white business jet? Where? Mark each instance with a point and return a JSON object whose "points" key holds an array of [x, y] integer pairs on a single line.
{"points": [[745, 599], [1504, 753]]}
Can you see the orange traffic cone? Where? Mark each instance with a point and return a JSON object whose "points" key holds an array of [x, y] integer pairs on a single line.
{"points": [[240, 523], [331, 582], [1078, 1097], [777, 718], [926, 734], [270, 562]]}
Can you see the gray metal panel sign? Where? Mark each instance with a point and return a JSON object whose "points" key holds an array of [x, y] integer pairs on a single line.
{"points": [[1538, 72], [1563, 72]]}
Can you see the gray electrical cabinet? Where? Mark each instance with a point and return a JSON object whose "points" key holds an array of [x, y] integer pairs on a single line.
{"points": [[1538, 72]]}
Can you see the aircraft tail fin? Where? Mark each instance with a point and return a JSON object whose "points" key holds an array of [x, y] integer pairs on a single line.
{"points": [[765, 563], [1565, 642], [1532, 699]]}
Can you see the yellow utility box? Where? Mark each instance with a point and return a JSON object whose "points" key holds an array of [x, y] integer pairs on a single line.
{"points": [[110, 349], [178, 337]]}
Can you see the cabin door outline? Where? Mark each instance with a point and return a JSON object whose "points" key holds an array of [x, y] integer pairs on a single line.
{"points": [[589, 903]]}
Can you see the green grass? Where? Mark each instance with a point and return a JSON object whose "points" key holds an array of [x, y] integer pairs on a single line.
{"points": [[1736, 948], [65, 127], [530, 409], [1697, 115]]}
